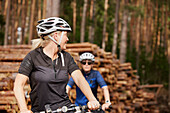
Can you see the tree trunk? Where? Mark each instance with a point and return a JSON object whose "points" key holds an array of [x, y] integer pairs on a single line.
{"points": [[91, 16], [7, 23], [48, 8], [74, 19], [104, 25], [166, 30], [83, 22], [138, 38], [44, 8], [14, 10], [93, 23], [116, 28], [23, 18], [31, 22], [39, 9], [123, 45], [53, 8], [17, 20], [5, 8]]}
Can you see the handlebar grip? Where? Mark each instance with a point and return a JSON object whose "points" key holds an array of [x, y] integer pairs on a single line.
{"points": [[109, 109], [48, 109]]}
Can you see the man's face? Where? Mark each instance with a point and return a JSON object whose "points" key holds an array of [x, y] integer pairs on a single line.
{"points": [[86, 65]]}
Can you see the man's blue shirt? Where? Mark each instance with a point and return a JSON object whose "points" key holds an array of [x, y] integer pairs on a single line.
{"points": [[94, 78]]}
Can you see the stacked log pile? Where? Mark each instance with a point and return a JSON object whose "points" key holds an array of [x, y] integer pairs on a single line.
{"points": [[126, 93], [10, 59]]}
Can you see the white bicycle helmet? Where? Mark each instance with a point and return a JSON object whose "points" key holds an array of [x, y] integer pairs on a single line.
{"points": [[52, 24], [49, 25], [87, 56]]}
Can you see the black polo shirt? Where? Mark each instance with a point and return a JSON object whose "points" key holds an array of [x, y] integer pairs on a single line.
{"points": [[48, 79]]}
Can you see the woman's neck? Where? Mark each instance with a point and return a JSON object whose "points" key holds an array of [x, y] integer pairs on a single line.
{"points": [[51, 51]]}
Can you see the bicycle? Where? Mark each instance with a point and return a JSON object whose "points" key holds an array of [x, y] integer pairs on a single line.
{"points": [[72, 108]]}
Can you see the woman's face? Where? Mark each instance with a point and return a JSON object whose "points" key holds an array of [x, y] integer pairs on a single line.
{"points": [[87, 65], [64, 39]]}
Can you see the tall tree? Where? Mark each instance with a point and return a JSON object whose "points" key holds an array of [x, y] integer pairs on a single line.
{"points": [[83, 21], [17, 20], [74, 19], [53, 8], [39, 9], [115, 36], [104, 25], [44, 8], [31, 21], [91, 17], [7, 22], [123, 45], [24, 15], [92, 26], [13, 18]]}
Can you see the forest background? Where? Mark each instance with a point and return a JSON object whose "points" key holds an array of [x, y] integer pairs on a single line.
{"points": [[135, 31]]}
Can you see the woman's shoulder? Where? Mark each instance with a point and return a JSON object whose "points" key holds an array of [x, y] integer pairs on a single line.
{"points": [[33, 53], [67, 54]]}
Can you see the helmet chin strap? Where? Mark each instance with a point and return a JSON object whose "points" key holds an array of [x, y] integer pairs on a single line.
{"points": [[58, 45]]}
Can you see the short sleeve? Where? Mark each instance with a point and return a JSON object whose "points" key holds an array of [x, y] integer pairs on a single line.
{"points": [[26, 65], [72, 66], [71, 82], [100, 80]]}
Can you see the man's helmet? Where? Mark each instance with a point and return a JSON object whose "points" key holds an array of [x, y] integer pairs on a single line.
{"points": [[87, 56], [49, 25]]}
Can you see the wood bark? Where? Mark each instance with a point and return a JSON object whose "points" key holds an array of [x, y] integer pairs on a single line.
{"points": [[48, 8], [39, 10], [23, 17], [104, 25], [74, 19], [138, 32], [7, 22], [31, 21], [44, 8], [55, 8], [17, 20], [123, 45], [115, 36], [13, 19], [91, 16], [83, 21], [93, 22]]}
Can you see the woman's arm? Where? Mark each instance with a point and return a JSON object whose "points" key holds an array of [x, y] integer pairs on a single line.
{"points": [[85, 88], [107, 98], [19, 83]]}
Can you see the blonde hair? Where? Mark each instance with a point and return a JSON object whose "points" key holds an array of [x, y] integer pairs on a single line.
{"points": [[36, 43]]}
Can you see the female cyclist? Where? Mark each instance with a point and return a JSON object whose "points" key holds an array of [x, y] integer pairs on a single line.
{"points": [[47, 67]]}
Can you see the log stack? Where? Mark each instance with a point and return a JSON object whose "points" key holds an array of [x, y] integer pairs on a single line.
{"points": [[126, 93]]}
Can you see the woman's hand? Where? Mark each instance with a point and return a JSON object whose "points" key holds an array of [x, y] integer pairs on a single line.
{"points": [[105, 106], [93, 105]]}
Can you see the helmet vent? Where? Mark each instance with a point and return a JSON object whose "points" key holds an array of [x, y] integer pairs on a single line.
{"points": [[50, 19], [40, 21], [48, 27], [59, 24], [42, 30], [49, 23]]}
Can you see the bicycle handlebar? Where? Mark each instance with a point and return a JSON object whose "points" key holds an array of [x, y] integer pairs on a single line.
{"points": [[65, 109]]}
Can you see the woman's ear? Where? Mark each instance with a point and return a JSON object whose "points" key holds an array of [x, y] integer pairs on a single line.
{"points": [[55, 36]]}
